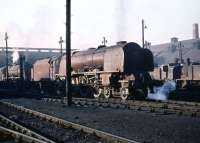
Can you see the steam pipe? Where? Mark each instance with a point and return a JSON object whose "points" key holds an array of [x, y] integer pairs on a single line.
{"points": [[6, 39], [21, 60], [60, 42]]}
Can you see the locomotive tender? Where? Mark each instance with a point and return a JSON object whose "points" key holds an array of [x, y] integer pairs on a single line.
{"points": [[118, 70]]}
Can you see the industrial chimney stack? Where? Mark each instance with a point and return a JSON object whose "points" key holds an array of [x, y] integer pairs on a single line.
{"points": [[195, 31]]}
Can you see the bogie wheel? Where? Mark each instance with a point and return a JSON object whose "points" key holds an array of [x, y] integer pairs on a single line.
{"points": [[107, 92], [124, 93]]}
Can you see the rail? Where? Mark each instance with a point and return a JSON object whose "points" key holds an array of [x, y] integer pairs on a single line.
{"points": [[107, 136], [19, 136], [24, 130], [165, 107]]}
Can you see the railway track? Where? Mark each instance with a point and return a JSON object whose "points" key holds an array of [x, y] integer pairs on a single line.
{"points": [[57, 129], [21, 132], [8, 135], [165, 107]]}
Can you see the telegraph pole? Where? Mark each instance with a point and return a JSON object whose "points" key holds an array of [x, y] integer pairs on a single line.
{"points": [[143, 28], [60, 42], [68, 52], [6, 39], [104, 41], [143, 33]]}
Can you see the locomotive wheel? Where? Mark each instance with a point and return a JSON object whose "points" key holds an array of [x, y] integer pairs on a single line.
{"points": [[141, 94], [42, 92], [145, 92], [86, 91], [58, 92], [107, 92], [98, 93], [123, 93]]}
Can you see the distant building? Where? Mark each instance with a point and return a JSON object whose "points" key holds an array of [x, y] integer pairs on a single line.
{"points": [[195, 31], [169, 52], [31, 54]]}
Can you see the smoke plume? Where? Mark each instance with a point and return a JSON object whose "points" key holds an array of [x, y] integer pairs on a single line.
{"points": [[15, 56], [121, 19], [162, 93]]}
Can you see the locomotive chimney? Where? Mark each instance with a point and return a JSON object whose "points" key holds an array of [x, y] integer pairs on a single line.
{"points": [[121, 42], [195, 31]]}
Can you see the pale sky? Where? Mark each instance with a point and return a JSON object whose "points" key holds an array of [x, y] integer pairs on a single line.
{"points": [[40, 23]]}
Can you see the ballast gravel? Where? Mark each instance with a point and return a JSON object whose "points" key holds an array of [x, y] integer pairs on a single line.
{"points": [[141, 126]]}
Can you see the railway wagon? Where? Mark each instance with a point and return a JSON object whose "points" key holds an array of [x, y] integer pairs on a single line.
{"points": [[14, 72], [118, 70], [2, 73], [185, 74], [17, 71]]}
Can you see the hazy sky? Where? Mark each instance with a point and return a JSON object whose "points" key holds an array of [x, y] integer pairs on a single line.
{"points": [[39, 23]]}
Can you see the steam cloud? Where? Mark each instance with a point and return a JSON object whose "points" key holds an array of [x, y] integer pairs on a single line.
{"points": [[162, 93], [41, 33], [121, 19], [15, 56]]}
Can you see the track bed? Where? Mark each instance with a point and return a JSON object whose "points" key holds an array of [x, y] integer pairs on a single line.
{"points": [[142, 126]]}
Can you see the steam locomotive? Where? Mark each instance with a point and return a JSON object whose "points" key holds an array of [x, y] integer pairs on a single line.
{"points": [[123, 70], [120, 70]]}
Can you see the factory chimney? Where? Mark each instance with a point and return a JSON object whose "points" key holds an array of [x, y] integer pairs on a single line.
{"points": [[195, 31]]}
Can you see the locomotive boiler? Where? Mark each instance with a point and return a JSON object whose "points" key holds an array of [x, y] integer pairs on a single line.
{"points": [[117, 70]]}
